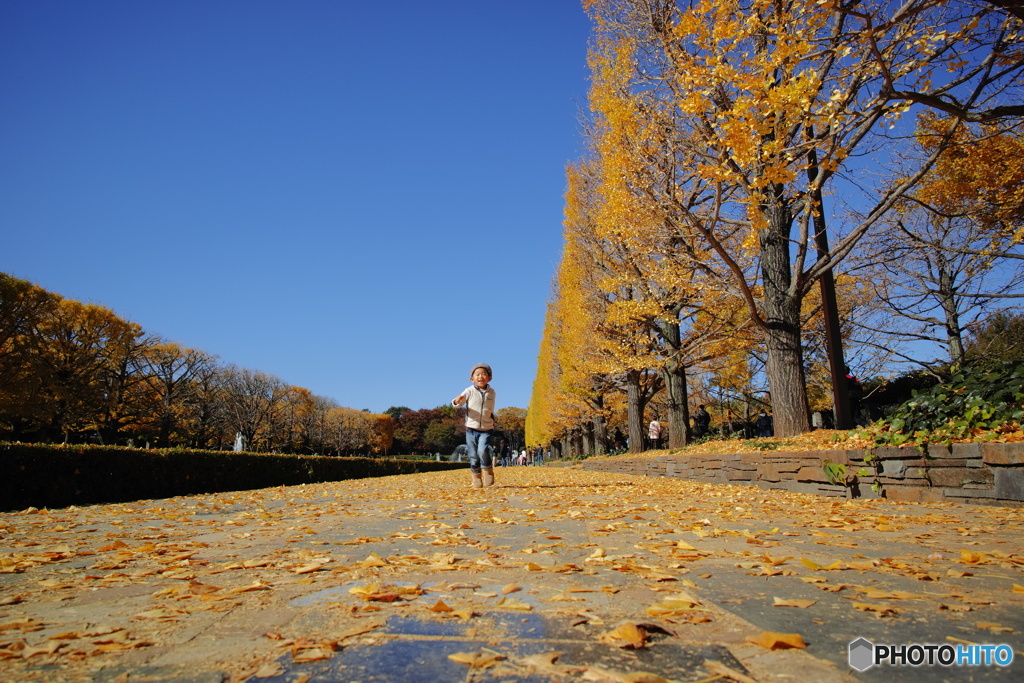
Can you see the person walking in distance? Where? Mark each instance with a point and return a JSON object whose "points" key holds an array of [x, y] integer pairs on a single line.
{"points": [[654, 434], [479, 401], [701, 422]]}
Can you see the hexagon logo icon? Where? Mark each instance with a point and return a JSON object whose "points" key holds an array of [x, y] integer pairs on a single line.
{"points": [[862, 654]]}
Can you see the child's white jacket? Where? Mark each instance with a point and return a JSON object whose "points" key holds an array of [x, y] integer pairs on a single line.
{"points": [[479, 408]]}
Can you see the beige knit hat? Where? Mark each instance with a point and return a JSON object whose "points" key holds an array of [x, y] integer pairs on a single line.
{"points": [[485, 367]]}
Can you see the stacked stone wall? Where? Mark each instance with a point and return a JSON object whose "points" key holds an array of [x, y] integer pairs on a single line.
{"points": [[991, 474]]}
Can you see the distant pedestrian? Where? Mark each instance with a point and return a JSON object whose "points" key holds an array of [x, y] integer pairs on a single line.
{"points": [[654, 434], [479, 399], [701, 422], [764, 425], [618, 440], [855, 395]]}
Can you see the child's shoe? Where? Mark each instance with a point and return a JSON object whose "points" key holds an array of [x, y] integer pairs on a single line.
{"points": [[478, 481], [489, 477]]}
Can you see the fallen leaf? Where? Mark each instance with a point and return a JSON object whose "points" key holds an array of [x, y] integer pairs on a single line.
{"points": [[476, 660], [833, 588], [879, 610], [48, 649], [70, 635], [598, 675], [955, 608], [544, 661], [22, 625], [626, 635], [374, 560], [269, 670], [876, 594], [254, 586], [971, 557], [779, 602], [722, 670], [817, 567], [360, 630], [778, 641], [197, 588], [512, 603]]}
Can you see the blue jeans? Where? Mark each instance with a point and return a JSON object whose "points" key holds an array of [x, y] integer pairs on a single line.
{"points": [[479, 454]]}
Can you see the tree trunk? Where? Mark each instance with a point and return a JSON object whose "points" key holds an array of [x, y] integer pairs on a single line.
{"points": [[785, 367], [600, 426], [678, 409], [587, 434], [635, 404], [786, 379], [947, 297]]}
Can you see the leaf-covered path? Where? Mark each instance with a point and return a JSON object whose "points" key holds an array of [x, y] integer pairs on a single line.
{"points": [[553, 574]]}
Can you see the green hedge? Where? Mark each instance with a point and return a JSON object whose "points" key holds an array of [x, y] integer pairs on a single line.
{"points": [[34, 475]]}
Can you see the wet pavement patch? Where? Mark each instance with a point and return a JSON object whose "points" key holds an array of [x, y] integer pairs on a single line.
{"points": [[153, 674], [410, 650]]}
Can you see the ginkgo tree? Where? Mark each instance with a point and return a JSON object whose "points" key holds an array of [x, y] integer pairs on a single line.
{"points": [[951, 250], [606, 304], [585, 354], [772, 102], [641, 161]]}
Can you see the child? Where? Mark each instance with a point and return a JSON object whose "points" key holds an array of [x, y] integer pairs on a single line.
{"points": [[479, 400]]}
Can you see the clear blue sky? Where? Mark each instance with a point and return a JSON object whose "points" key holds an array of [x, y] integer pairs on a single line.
{"points": [[363, 199]]}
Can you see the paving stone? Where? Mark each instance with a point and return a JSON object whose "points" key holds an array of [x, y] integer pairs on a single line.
{"points": [[603, 549], [419, 651]]}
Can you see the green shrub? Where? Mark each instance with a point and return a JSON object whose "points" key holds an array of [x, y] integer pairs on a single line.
{"points": [[974, 401]]}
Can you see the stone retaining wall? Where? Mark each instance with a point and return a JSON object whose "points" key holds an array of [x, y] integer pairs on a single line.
{"points": [[989, 474]]}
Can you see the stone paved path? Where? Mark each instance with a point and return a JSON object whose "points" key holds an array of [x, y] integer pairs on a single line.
{"points": [[544, 577]]}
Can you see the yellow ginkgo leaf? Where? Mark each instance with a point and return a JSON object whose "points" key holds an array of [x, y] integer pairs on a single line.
{"points": [[802, 604], [512, 603], [627, 635], [476, 660], [778, 641]]}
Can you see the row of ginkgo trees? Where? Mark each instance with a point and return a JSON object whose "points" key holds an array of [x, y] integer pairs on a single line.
{"points": [[696, 233]]}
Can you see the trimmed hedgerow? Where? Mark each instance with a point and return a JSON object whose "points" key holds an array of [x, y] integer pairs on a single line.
{"points": [[34, 475]]}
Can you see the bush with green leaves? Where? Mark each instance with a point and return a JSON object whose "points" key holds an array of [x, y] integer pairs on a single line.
{"points": [[976, 402]]}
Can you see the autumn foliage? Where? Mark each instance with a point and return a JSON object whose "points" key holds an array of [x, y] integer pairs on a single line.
{"points": [[73, 372], [697, 233]]}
